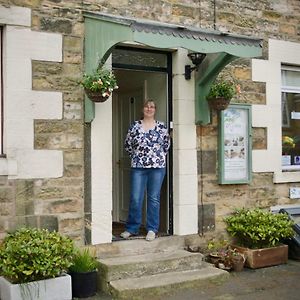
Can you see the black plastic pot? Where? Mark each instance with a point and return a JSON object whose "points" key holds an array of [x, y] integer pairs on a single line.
{"points": [[84, 284]]}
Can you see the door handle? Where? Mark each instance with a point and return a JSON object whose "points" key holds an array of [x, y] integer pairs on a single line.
{"points": [[118, 163]]}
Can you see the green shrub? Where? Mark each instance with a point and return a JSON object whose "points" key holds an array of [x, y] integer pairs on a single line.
{"points": [[83, 261], [31, 254], [225, 89], [257, 228]]}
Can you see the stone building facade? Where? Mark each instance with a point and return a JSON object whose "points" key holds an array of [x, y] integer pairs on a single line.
{"points": [[56, 170]]}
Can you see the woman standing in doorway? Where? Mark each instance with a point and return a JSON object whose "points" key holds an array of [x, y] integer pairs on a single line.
{"points": [[147, 143]]}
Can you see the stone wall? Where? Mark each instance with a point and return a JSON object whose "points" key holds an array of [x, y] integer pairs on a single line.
{"points": [[263, 19], [58, 203]]}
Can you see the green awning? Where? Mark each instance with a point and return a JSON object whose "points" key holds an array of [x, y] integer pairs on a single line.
{"points": [[104, 31]]}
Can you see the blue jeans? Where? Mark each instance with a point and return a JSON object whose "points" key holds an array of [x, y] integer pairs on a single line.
{"points": [[142, 179]]}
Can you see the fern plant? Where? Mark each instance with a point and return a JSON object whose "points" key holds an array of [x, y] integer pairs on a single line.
{"points": [[83, 262]]}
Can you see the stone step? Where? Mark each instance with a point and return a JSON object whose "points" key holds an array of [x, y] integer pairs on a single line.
{"points": [[123, 267], [139, 246], [147, 286]]}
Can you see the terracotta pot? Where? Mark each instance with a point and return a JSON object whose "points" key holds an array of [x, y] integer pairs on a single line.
{"points": [[265, 257], [238, 263], [219, 103], [95, 96]]}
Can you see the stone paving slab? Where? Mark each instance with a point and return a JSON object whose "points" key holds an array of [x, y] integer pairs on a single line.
{"points": [[148, 264]]}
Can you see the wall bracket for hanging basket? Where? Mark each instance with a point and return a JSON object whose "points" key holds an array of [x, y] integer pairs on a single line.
{"points": [[219, 103], [95, 96]]}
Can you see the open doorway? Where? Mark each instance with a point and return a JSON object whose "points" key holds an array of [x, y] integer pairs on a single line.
{"points": [[138, 81]]}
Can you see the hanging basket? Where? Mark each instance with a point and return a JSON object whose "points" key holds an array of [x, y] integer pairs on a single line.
{"points": [[219, 103], [95, 96]]}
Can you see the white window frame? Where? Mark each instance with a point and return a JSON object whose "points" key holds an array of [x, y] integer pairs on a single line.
{"points": [[268, 115], [1, 93], [291, 90]]}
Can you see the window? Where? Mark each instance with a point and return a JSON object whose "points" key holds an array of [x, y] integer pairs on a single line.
{"points": [[290, 109], [1, 91]]}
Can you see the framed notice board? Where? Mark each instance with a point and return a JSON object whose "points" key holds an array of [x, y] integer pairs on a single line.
{"points": [[235, 145]]}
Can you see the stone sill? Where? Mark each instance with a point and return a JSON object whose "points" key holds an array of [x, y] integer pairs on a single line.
{"points": [[8, 167], [282, 177]]}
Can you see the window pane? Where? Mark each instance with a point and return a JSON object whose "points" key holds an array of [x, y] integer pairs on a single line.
{"points": [[290, 131], [1, 91], [139, 58], [290, 78]]}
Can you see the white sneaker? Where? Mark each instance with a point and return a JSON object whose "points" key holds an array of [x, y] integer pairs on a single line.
{"points": [[150, 236], [125, 235]]}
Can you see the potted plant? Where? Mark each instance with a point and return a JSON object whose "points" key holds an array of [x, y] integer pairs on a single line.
{"points": [[223, 256], [259, 235], [83, 272], [99, 85], [237, 259], [220, 94], [32, 263]]}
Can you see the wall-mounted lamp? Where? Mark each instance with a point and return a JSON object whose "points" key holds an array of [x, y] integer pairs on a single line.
{"points": [[196, 59]]}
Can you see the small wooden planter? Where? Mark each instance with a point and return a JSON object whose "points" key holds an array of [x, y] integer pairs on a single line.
{"points": [[265, 257], [219, 103], [95, 96]]}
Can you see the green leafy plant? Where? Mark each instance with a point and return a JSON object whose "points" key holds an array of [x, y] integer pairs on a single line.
{"points": [[101, 80], [215, 245], [31, 254], [83, 261], [257, 228], [225, 89]]}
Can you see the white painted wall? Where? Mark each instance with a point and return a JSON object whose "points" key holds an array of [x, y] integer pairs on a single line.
{"points": [[269, 115], [21, 104], [101, 172]]}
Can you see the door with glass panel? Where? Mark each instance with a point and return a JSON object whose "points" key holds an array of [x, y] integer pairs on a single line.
{"points": [[141, 75]]}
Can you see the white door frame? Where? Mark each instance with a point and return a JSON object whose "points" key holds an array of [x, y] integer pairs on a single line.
{"points": [[185, 177]]}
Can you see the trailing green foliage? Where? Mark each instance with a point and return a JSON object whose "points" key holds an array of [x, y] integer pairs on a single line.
{"points": [[31, 254], [257, 228], [101, 80], [225, 89], [83, 261]]}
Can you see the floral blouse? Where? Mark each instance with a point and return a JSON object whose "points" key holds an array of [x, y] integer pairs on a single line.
{"points": [[147, 149]]}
